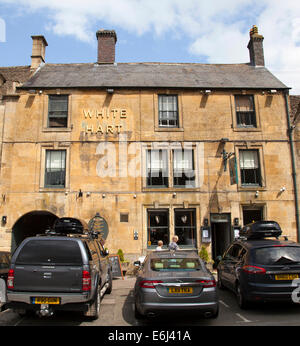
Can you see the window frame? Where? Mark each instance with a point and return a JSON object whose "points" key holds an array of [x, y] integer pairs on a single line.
{"points": [[62, 186], [250, 113], [258, 174], [235, 125], [160, 111], [260, 149]]}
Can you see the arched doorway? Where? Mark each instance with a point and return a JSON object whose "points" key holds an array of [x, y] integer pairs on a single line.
{"points": [[30, 224]]}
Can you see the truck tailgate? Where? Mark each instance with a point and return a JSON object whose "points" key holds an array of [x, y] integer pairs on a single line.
{"points": [[57, 278]]}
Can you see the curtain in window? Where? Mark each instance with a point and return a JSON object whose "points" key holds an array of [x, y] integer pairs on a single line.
{"points": [[249, 159], [157, 161], [244, 103]]}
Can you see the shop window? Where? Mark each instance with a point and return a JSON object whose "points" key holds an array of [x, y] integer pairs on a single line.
{"points": [[250, 168], [168, 111], [55, 168], [245, 111], [157, 168], [58, 111], [185, 226], [158, 226], [183, 168]]}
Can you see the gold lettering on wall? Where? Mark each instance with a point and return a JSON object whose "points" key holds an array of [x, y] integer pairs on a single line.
{"points": [[112, 114]]}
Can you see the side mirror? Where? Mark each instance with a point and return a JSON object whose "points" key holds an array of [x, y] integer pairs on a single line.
{"points": [[137, 263]]}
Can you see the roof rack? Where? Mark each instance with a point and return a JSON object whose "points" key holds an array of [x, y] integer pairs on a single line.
{"points": [[260, 230]]}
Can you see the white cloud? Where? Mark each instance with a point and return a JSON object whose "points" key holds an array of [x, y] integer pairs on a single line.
{"points": [[216, 29]]}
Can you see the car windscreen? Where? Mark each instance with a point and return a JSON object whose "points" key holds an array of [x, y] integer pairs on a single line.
{"points": [[50, 252], [277, 255], [175, 264]]}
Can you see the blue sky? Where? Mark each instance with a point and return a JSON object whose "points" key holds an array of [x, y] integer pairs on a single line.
{"points": [[155, 30]]}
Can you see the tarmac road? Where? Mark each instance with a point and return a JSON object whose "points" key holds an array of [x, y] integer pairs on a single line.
{"points": [[117, 309]]}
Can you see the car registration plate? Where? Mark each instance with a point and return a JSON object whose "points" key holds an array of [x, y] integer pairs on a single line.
{"points": [[286, 276], [182, 290], [45, 300]]}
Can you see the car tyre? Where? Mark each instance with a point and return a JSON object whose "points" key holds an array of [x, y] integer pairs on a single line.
{"points": [[137, 314], [241, 299]]}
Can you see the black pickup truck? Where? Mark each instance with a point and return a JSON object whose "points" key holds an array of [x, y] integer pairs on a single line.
{"points": [[59, 272]]}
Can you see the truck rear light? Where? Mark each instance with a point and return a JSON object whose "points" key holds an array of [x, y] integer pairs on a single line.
{"points": [[10, 279], [254, 270], [207, 283], [149, 283], [86, 280]]}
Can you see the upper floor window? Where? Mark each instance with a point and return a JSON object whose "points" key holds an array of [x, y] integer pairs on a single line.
{"points": [[250, 167], [168, 111], [55, 168], [157, 168], [183, 168], [58, 111], [245, 111]]}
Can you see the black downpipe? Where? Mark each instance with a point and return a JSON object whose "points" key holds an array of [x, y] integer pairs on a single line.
{"points": [[290, 130]]}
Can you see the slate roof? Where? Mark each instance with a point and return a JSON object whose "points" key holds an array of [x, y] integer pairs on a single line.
{"points": [[9, 75], [153, 75]]}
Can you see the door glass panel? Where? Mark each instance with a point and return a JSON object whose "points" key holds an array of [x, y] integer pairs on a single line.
{"points": [[185, 226]]}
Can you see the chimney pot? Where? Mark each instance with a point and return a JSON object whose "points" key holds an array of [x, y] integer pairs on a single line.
{"points": [[106, 46], [39, 45]]}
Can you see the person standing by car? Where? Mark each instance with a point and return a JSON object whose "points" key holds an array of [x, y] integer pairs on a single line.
{"points": [[173, 245], [160, 245]]}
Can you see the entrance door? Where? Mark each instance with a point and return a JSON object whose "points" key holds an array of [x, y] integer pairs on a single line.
{"points": [[221, 233]]}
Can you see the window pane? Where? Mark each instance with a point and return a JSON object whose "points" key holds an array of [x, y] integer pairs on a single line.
{"points": [[55, 169], [185, 226], [157, 168], [58, 111], [245, 111], [168, 110], [158, 226], [250, 167], [183, 168], [50, 252]]}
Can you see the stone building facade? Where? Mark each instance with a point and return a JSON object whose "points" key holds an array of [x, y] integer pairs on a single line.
{"points": [[156, 149]]}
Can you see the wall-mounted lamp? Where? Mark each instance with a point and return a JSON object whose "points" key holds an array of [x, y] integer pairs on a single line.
{"points": [[110, 91], [80, 194], [282, 189], [174, 194], [134, 196], [256, 194], [103, 195], [273, 91], [88, 194], [4, 220]]}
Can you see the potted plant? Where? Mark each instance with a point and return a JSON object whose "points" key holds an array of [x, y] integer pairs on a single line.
{"points": [[124, 263]]}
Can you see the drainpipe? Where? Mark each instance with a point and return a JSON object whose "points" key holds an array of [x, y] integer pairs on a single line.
{"points": [[290, 130]]}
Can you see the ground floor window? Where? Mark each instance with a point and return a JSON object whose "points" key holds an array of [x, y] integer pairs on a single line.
{"points": [[251, 214], [158, 226], [185, 226]]}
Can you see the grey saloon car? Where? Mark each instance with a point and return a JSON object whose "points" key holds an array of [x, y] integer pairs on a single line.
{"points": [[175, 281]]}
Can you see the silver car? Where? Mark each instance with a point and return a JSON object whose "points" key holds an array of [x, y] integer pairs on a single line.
{"points": [[175, 281]]}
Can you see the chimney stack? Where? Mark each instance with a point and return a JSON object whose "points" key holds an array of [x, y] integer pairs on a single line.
{"points": [[39, 45], [255, 47], [106, 46]]}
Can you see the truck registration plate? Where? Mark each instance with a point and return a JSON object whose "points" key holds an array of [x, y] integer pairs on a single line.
{"points": [[45, 300]]}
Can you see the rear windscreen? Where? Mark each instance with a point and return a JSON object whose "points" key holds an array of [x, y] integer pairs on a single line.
{"points": [[170, 264], [50, 252], [277, 255]]}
